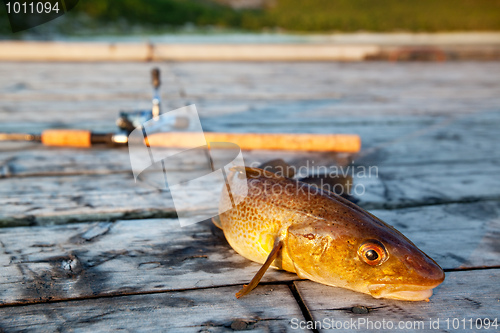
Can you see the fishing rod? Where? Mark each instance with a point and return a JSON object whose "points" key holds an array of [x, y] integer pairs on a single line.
{"points": [[174, 135], [348, 143]]}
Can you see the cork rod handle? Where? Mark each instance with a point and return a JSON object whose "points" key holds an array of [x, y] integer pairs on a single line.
{"points": [[348, 143], [67, 138]]}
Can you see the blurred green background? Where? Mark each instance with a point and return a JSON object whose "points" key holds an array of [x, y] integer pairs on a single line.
{"points": [[318, 16]]}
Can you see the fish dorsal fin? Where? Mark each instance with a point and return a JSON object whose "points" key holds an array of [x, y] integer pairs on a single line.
{"points": [[279, 167], [278, 244], [253, 173], [217, 222]]}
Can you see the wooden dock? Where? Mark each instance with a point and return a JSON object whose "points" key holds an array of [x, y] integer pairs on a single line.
{"points": [[84, 248]]}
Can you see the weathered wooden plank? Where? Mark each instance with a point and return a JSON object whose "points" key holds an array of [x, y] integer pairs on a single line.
{"points": [[254, 79], [42, 200], [103, 196], [111, 196], [81, 260], [463, 295], [33, 159], [401, 83], [416, 185], [447, 140], [356, 89], [204, 310]]}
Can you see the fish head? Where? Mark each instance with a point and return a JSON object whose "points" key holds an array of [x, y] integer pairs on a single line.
{"points": [[365, 255]]}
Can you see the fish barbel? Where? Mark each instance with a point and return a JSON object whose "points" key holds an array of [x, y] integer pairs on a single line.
{"points": [[291, 225]]}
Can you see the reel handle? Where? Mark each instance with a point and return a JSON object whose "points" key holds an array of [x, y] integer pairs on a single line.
{"points": [[155, 76]]}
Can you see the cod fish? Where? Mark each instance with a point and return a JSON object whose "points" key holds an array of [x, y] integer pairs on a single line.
{"points": [[320, 236]]}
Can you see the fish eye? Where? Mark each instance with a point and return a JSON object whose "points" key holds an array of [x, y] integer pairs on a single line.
{"points": [[372, 252], [371, 255]]}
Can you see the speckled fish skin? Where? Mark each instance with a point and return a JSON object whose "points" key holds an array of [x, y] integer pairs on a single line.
{"points": [[322, 234]]}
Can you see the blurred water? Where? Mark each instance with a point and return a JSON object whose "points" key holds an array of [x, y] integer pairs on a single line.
{"points": [[492, 38]]}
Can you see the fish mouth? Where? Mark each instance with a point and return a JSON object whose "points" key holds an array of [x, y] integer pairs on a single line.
{"points": [[402, 292]]}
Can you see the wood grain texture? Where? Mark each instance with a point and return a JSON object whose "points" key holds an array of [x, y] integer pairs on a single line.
{"points": [[72, 93], [49, 200], [463, 295], [41, 264], [202, 310], [105, 195]]}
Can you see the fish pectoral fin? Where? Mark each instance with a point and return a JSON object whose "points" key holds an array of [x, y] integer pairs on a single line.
{"points": [[217, 222], [247, 288]]}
